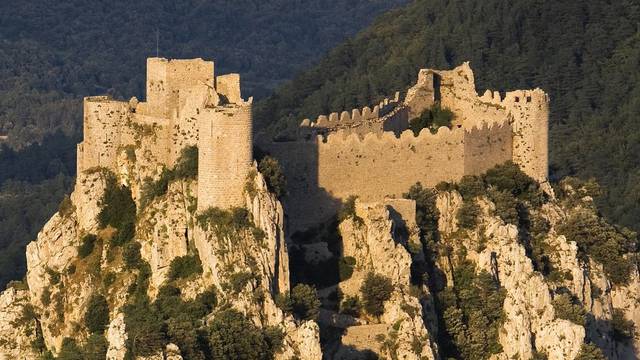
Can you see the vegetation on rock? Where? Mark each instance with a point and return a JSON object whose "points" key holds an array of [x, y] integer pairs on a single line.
{"points": [[375, 290]]}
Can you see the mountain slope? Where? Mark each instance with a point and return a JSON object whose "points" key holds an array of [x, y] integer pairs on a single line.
{"points": [[583, 53], [54, 53]]}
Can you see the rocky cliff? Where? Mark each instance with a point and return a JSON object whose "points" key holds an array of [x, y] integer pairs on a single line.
{"points": [[496, 266]]}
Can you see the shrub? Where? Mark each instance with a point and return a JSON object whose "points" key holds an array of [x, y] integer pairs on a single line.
{"points": [[351, 306], [509, 177], [302, 302], [468, 214], [131, 255], [108, 279], [348, 210], [601, 241], [568, 309], [86, 247], [427, 213], [506, 206], [54, 276], [623, 329], [233, 336], [345, 267], [432, 119], [590, 352], [238, 281], [225, 222], [187, 164], [124, 234], [186, 168], [70, 350], [305, 302], [96, 347], [118, 207], [270, 168], [376, 289], [184, 266], [470, 186], [97, 316], [66, 207], [45, 298]]}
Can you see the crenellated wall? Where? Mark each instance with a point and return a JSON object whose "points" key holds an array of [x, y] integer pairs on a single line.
{"points": [[324, 172]]}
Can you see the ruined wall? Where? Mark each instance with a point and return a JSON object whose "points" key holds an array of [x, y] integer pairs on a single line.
{"points": [[485, 146], [103, 122], [530, 111], [228, 85], [225, 155], [165, 79], [322, 174]]}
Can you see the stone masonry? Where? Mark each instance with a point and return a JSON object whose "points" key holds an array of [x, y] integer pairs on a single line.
{"points": [[366, 152]]}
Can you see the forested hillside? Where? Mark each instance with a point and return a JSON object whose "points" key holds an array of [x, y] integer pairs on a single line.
{"points": [[585, 54], [52, 53]]}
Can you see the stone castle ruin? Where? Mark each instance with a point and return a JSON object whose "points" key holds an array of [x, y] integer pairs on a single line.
{"points": [[186, 105], [370, 153]]}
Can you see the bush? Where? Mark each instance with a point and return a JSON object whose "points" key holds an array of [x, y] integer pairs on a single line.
{"points": [[510, 178], [602, 242], [95, 347], [302, 302], [468, 214], [238, 281], [186, 168], [96, 318], [345, 267], [124, 234], [506, 206], [376, 289], [348, 210], [590, 352], [233, 336], [118, 207], [427, 213], [184, 266], [66, 207], [270, 168], [351, 306], [623, 329], [568, 309], [70, 350], [187, 164], [225, 222], [86, 247], [432, 119], [131, 255], [470, 186]]}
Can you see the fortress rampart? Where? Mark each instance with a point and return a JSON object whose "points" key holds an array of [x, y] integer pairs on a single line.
{"points": [[371, 153]]}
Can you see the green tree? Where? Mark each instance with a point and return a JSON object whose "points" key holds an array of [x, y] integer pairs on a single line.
{"points": [[96, 318], [375, 290]]}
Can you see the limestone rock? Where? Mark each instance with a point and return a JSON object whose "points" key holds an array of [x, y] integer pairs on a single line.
{"points": [[17, 329], [117, 338]]}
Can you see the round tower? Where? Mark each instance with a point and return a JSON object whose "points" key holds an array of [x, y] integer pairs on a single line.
{"points": [[225, 156]]}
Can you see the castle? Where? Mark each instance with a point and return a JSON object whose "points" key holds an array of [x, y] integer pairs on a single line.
{"points": [[370, 153], [186, 106]]}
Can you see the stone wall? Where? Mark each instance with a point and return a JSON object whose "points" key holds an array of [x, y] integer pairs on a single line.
{"points": [[103, 122]]}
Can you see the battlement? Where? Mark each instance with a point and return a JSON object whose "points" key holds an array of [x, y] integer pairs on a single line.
{"points": [[372, 153]]}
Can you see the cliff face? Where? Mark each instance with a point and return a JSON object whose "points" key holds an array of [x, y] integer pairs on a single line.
{"points": [[245, 267], [489, 276]]}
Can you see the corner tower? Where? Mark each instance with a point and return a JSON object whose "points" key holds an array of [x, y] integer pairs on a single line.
{"points": [[225, 156], [530, 120]]}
